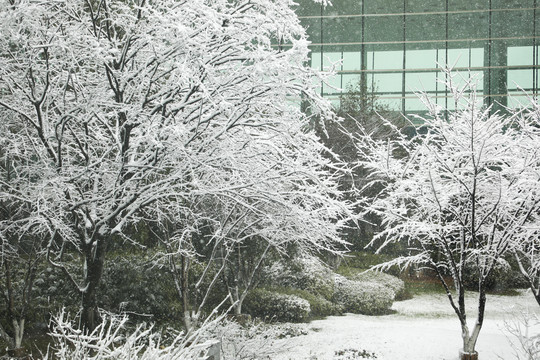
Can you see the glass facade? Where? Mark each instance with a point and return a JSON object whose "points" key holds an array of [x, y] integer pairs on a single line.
{"points": [[396, 47]]}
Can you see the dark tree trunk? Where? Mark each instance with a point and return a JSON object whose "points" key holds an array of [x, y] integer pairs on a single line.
{"points": [[537, 296], [95, 261]]}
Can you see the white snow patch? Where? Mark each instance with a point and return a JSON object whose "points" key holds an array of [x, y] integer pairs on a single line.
{"points": [[423, 328]]}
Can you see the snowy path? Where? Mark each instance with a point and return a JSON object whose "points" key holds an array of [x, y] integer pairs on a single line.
{"points": [[423, 328]]}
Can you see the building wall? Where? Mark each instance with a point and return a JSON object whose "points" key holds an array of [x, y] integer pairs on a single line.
{"points": [[396, 47]]}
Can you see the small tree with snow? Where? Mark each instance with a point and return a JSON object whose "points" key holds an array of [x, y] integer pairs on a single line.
{"points": [[527, 254], [458, 192]]}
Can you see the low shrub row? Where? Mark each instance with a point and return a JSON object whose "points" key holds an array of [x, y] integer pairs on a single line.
{"points": [[393, 283], [327, 293], [271, 305], [360, 297]]}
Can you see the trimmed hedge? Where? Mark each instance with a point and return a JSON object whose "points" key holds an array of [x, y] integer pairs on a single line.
{"points": [[368, 298], [320, 307], [305, 273], [393, 283], [267, 304]]}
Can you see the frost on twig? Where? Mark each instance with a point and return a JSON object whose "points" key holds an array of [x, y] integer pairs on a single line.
{"points": [[113, 339]]}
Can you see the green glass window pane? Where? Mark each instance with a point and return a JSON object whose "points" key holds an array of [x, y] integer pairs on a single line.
{"points": [[386, 83], [457, 58], [370, 57], [454, 5], [344, 7], [340, 30], [413, 103], [520, 55], [460, 78], [333, 85], [307, 8], [313, 29], [476, 77], [461, 57], [450, 104], [386, 60], [384, 6], [316, 60], [424, 28], [351, 61], [518, 99], [520, 79], [469, 25], [421, 81], [421, 59], [332, 60], [425, 5], [512, 23], [383, 29], [477, 57]]}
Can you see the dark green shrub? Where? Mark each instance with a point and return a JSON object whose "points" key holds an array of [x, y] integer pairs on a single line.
{"points": [[275, 306], [503, 277], [131, 284], [53, 291]]}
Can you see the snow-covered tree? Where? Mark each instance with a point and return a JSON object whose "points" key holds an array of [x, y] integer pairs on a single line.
{"points": [[287, 199], [458, 193], [527, 254], [262, 193], [23, 242], [114, 107]]}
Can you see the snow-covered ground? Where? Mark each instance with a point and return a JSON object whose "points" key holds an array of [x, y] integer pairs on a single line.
{"points": [[423, 328]]}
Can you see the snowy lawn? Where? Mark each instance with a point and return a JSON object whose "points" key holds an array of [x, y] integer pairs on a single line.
{"points": [[422, 328]]}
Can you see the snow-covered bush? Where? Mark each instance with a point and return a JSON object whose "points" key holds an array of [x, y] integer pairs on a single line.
{"points": [[359, 297], [275, 306], [393, 283], [305, 273], [254, 340], [320, 307], [113, 340]]}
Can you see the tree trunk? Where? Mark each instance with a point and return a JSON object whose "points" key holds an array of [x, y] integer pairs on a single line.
{"points": [[95, 260], [536, 295], [238, 307], [468, 355], [90, 317], [469, 342], [18, 332], [533, 277], [236, 300]]}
